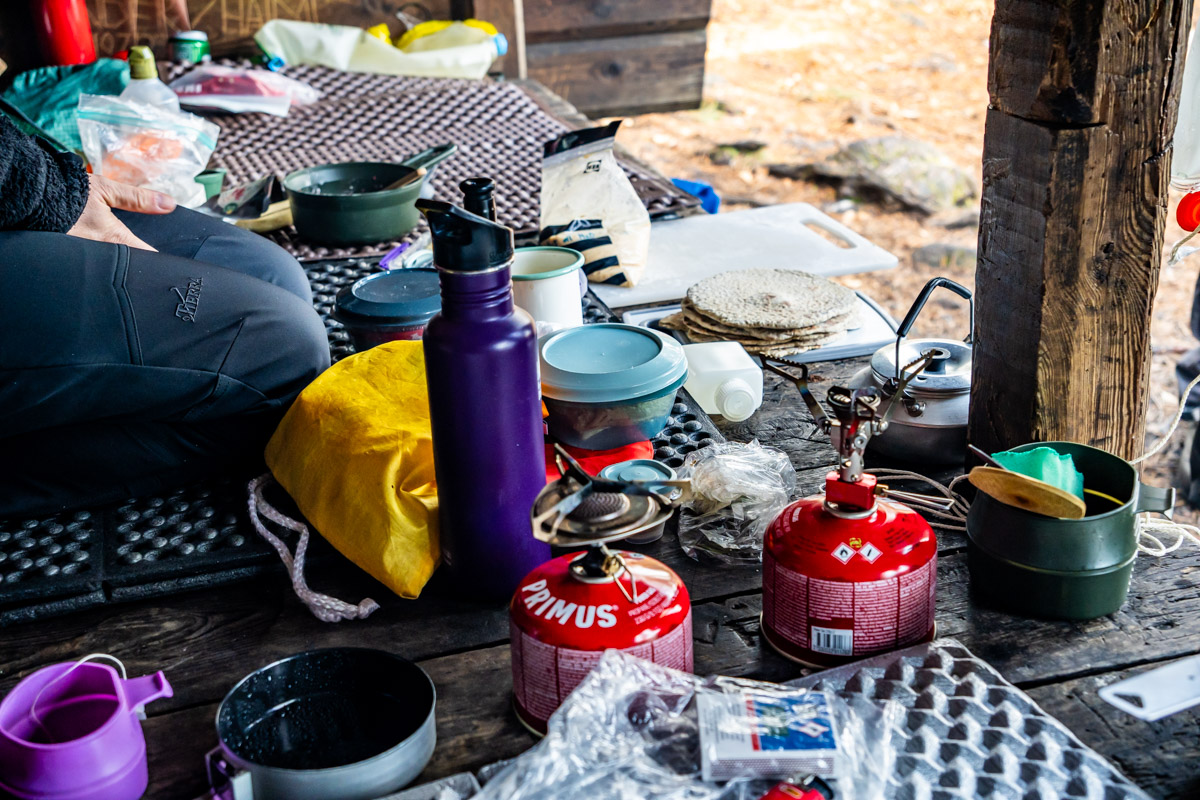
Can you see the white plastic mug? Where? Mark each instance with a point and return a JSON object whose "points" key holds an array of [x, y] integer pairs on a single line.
{"points": [[546, 285]]}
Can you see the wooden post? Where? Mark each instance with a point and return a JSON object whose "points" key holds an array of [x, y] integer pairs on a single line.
{"points": [[1076, 158]]}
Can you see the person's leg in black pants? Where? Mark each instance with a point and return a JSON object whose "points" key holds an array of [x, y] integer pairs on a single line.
{"points": [[125, 372]]}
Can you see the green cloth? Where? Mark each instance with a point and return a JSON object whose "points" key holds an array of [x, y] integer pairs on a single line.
{"points": [[1045, 464], [49, 96]]}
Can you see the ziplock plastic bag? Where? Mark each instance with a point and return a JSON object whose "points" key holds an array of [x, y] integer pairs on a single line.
{"points": [[633, 729], [737, 491], [589, 205], [239, 90], [146, 146]]}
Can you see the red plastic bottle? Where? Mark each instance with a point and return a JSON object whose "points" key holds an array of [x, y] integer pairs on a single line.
{"points": [[64, 31]]}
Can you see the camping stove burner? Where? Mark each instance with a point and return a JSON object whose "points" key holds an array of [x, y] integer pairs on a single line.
{"points": [[601, 507], [581, 509]]}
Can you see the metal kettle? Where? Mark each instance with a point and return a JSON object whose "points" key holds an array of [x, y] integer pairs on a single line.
{"points": [[926, 390]]}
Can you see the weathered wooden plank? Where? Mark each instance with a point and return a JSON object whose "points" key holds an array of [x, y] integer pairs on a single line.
{"points": [[1075, 171], [509, 18], [628, 75], [1158, 756], [563, 20]]}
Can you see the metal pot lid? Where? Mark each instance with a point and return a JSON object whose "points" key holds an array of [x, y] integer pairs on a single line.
{"points": [[609, 362], [397, 297], [950, 370]]}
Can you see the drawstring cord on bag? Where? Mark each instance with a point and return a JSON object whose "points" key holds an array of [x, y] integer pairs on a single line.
{"points": [[33, 707], [323, 607], [1149, 532]]}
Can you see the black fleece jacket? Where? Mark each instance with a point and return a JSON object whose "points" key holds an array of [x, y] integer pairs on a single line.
{"points": [[40, 188]]}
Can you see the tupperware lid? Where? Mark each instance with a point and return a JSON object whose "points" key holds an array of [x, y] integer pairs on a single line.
{"points": [[609, 362], [398, 297], [638, 469]]}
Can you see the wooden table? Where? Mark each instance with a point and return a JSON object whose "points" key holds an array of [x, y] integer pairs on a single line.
{"points": [[206, 641]]}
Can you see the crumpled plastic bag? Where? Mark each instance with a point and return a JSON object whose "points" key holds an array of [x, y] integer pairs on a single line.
{"points": [[632, 729], [737, 491], [236, 90], [143, 145]]}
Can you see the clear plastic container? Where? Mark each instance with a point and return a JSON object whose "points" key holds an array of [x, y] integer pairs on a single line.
{"points": [[724, 379], [144, 85]]}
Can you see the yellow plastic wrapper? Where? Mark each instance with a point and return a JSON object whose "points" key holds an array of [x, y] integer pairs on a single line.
{"points": [[355, 452], [381, 33]]}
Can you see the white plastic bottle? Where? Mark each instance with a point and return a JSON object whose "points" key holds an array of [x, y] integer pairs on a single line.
{"points": [[144, 85], [724, 379]]}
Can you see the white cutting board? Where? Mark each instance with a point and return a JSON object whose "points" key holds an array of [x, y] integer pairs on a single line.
{"points": [[684, 251]]}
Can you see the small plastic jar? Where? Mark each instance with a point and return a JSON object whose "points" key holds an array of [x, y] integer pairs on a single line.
{"points": [[388, 306]]}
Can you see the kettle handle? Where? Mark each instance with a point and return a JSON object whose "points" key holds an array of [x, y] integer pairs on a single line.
{"points": [[919, 303]]}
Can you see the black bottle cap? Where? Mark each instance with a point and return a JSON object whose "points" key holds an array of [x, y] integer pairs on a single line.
{"points": [[465, 242], [478, 197]]}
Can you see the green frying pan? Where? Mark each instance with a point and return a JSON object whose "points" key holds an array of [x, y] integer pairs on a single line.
{"points": [[351, 203]]}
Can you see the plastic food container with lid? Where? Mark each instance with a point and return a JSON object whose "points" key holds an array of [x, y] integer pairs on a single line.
{"points": [[609, 385], [388, 306]]}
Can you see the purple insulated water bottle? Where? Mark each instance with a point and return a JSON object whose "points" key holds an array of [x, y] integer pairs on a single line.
{"points": [[484, 400]]}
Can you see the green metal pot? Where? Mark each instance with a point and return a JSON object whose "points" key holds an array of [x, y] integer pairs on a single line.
{"points": [[1063, 568], [348, 203]]}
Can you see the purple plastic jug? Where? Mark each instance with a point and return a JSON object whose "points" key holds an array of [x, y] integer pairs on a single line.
{"points": [[484, 401], [84, 742]]}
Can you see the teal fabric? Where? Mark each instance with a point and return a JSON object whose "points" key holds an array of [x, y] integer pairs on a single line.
{"points": [[1045, 464], [49, 96]]}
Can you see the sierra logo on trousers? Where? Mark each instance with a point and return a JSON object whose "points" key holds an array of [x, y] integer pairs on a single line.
{"points": [[189, 300]]}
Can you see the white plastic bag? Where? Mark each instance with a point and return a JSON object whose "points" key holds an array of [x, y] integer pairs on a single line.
{"points": [[589, 205], [235, 90], [146, 146]]}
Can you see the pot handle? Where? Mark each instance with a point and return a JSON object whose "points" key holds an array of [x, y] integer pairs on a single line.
{"points": [[430, 156], [919, 304], [1155, 498], [227, 781]]}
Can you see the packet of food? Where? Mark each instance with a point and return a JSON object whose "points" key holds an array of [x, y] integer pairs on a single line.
{"points": [[147, 146], [589, 205]]}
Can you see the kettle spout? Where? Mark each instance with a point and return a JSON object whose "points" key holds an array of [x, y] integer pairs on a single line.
{"points": [[148, 688]]}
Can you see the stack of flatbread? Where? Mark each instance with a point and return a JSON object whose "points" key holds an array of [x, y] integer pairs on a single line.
{"points": [[771, 312]]}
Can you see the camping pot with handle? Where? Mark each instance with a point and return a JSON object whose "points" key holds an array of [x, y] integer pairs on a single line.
{"points": [[926, 411], [344, 723], [1064, 568]]}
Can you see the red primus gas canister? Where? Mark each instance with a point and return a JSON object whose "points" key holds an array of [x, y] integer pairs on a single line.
{"points": [[843, 584], [562, 621]]}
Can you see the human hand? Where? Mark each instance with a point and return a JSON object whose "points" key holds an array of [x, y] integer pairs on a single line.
{"points": [[98, 223]]}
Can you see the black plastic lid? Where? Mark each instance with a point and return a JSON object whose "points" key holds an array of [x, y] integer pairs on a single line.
{"points": [[399, 297], [465, 242], [478, 197]]}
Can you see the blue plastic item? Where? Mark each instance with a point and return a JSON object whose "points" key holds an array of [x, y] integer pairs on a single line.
{"points": [[707, 195], [638, 469], [609, 385]]}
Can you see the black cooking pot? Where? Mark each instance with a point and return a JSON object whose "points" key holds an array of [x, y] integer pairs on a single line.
{"points": [[339, 724], [1063, 568]]}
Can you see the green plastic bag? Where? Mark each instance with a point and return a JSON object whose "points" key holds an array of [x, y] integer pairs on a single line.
{"points": [[49, 96], [1045, 464]]}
